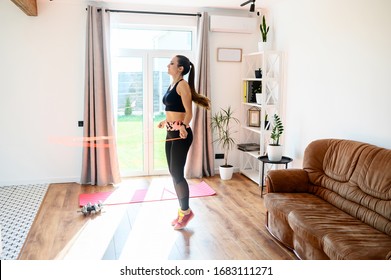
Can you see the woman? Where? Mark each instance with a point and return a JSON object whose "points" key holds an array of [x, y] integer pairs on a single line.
{"points": [[178, 100]]}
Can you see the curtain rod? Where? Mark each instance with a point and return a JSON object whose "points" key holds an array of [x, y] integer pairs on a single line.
{"points": [[152, 13]]}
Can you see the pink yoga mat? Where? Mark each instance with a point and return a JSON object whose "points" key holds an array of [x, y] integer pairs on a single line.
{"points": [[143, 195]]}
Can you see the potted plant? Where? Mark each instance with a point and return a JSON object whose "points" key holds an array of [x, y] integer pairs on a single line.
{"points": [[258, 73], [264, 44], [274, 149], [222, 122]]}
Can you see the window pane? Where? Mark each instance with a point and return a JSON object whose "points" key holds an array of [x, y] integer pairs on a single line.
{"points": [[128, 71], [151, 39]]}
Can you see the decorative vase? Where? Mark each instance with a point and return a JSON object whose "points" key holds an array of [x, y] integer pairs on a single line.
{"points": [[263, 46], [226, 172], [258, 73], [258, 97], [274, 152]]}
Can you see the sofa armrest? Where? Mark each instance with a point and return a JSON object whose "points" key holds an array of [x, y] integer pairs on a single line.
{"points": [[287, 180]]}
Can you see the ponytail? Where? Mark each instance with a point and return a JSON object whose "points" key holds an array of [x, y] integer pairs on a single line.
{"points": [[188, 67]]}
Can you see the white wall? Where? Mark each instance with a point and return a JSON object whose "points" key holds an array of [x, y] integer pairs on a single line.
{"points": [[338, 70], [42, 92]]}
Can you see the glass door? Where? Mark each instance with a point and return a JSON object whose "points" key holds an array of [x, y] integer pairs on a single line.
{"points": [[139, 85], [129, 91]]}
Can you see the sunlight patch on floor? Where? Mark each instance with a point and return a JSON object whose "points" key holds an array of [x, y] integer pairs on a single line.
{"points": [[95, 237], [152, 236]]}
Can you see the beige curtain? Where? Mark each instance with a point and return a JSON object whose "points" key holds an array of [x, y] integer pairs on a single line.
{"points": [[100, 162], [200, 161]]}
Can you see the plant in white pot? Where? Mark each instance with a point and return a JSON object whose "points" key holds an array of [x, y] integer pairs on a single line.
{"points": [[222, 123], [257, 92], [264, 44], [274, 149]]}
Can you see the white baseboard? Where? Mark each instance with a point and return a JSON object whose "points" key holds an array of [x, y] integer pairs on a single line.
{"points": [[40, 181]]}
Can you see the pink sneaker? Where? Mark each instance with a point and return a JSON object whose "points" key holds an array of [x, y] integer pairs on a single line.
{"points": [[183, 219], [174, 222]]}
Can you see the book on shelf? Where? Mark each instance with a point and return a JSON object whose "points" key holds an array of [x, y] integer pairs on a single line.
{"points": [[244, 91], [248, 147]]}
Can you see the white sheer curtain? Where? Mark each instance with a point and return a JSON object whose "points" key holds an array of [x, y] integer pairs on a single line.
{"points": [[200, 160], [100, 163]]}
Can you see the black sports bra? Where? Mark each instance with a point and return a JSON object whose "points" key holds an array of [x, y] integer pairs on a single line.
{"points": [[173, 100]]}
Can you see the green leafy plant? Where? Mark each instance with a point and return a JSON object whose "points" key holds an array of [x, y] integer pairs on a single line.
{"points": [[277, 130], [222, 123], [257, 88], [128, 107], [264, 29]]}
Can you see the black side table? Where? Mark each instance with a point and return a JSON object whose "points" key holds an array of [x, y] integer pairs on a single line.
{"points": [[265, 159]]}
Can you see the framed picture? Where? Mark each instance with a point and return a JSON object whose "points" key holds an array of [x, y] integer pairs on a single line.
{"points": [[229, 55], [254, 117]]}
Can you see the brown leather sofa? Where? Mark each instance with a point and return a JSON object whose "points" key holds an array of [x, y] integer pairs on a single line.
{"points": [[338, 206]]}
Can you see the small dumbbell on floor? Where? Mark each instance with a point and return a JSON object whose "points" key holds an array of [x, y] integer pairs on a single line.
{"points": [[91, 208]]}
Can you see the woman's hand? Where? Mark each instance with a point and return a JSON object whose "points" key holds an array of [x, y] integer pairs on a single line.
{"points": [[161, 124], [182, 132]]}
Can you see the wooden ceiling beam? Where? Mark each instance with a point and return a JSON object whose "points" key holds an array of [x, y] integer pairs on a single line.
{"points": [[29, 7]]}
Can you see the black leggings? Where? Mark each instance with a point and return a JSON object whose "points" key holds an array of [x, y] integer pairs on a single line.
{"points": [[176, 154]]}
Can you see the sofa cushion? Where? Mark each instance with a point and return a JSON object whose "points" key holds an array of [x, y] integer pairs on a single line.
{"points": [[357, 243], [324, 227], [331, 160], [279, 206], [338, 234]]}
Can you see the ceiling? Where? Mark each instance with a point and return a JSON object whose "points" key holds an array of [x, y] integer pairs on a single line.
{"points": [[228, 4]]}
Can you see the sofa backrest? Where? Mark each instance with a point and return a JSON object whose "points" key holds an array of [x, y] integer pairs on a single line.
{"points": [[353, 176]]}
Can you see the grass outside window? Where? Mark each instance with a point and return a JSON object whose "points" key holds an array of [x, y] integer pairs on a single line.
{"points": [[131, 141]]}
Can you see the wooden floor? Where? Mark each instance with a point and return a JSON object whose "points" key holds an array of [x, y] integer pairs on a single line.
{"points": [[227, 226]]}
